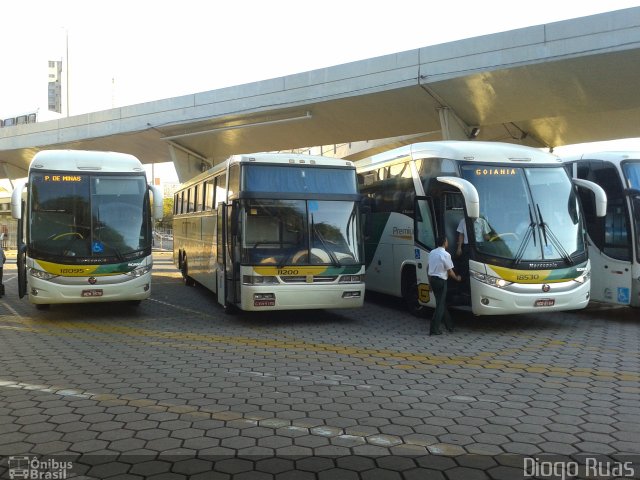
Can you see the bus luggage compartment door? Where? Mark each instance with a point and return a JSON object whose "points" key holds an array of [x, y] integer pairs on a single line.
{"points": [[610, 278]]}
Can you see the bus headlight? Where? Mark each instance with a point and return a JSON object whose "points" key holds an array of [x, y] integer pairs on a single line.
{"points": [[259, 280], [351, 279], [138, 272], [41, 274], [489, 280]]}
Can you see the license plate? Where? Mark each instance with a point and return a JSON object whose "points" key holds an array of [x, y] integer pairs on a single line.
{"points": [[545, 302], [264, 303], [94, 292]]}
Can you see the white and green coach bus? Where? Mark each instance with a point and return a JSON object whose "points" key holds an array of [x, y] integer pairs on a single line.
{"points": [[272, 231], [614, 241], [84, 228], [531, 258]]}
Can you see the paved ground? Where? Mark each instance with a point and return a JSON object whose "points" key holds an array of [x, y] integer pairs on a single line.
{"points": [[175, 388]]}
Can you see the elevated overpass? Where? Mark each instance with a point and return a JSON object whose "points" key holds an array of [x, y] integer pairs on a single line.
{"points": [[547, 85]]}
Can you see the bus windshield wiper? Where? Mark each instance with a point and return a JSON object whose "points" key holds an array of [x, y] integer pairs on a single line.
{"points": [[527, 237], [352, 218], [334, 259], [547, 232]]}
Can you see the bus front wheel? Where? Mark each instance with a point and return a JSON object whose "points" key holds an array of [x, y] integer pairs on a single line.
{"points": [[410, 292]]}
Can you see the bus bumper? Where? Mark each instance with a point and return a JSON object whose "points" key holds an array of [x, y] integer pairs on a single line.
{"points": [[46, 292], [490, 300], [301, 297]]}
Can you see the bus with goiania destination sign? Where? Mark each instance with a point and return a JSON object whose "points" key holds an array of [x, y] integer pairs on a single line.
{"points": [[526, 251]]}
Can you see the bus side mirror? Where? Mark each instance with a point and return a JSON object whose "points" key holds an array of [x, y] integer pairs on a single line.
{"points": [[598, 192], [469, 193], [157, 208], [16, 199]]}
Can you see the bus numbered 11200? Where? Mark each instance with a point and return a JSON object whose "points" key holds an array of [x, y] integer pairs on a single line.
{"points": [[526, 251], [84, 228], [272, 231], [614, 241]]}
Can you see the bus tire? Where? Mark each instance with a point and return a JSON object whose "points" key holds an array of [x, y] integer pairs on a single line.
{"points": [[410, 292], [188, 281], [230, 309]]}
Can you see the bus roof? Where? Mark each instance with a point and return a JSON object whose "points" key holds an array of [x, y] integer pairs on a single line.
{"points": [[610, 155], [273, 158], [471, 150], [85, 161]]}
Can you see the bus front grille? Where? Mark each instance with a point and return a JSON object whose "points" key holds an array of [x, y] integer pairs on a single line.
{"points": [[309, 279]]}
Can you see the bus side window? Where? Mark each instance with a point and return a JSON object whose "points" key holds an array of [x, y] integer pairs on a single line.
{"points": [[209, 194], [221, 189], [196, 193], [234, 180], [190, 199], [424, 231]]}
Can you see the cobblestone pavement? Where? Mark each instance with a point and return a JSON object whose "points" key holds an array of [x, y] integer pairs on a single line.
{"points": [[175, 388]]}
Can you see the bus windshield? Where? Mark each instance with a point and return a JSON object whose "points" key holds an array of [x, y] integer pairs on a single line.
{"points": [[631, 171], [81, 218], [299, 232], [532, 213]]}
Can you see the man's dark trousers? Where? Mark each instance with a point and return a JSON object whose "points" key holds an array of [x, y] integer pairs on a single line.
{"points": [[441, 314]]}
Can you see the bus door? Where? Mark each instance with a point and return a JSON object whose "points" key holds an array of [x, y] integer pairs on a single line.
{"points": [[221, 260], [21, 258], [232, 270], [227, 275]]}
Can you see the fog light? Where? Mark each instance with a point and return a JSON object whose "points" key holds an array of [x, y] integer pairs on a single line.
{"points": [[146, 287], [351, 294], [34, 292], [484, 301], [264, 296]]}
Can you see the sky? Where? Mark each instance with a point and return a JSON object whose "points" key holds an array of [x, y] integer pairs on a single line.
{"points": [[127, 52]]}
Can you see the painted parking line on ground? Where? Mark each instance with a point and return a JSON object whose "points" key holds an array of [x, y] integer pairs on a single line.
{"points": [[387, 358]]}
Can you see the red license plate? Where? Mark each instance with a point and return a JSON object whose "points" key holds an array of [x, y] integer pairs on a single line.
{"points": [[94, 292], [545, 302]]}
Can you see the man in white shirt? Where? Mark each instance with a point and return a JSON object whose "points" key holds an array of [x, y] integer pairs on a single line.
{"points": [[440, 269], [481, 232]]}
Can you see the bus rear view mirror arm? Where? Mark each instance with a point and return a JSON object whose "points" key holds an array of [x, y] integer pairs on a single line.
{"points": [[598, 192], [157, 205], [469, 192], [16, 199]]}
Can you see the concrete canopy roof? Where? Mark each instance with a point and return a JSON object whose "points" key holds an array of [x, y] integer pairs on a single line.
{"points": [[549, 85]]}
